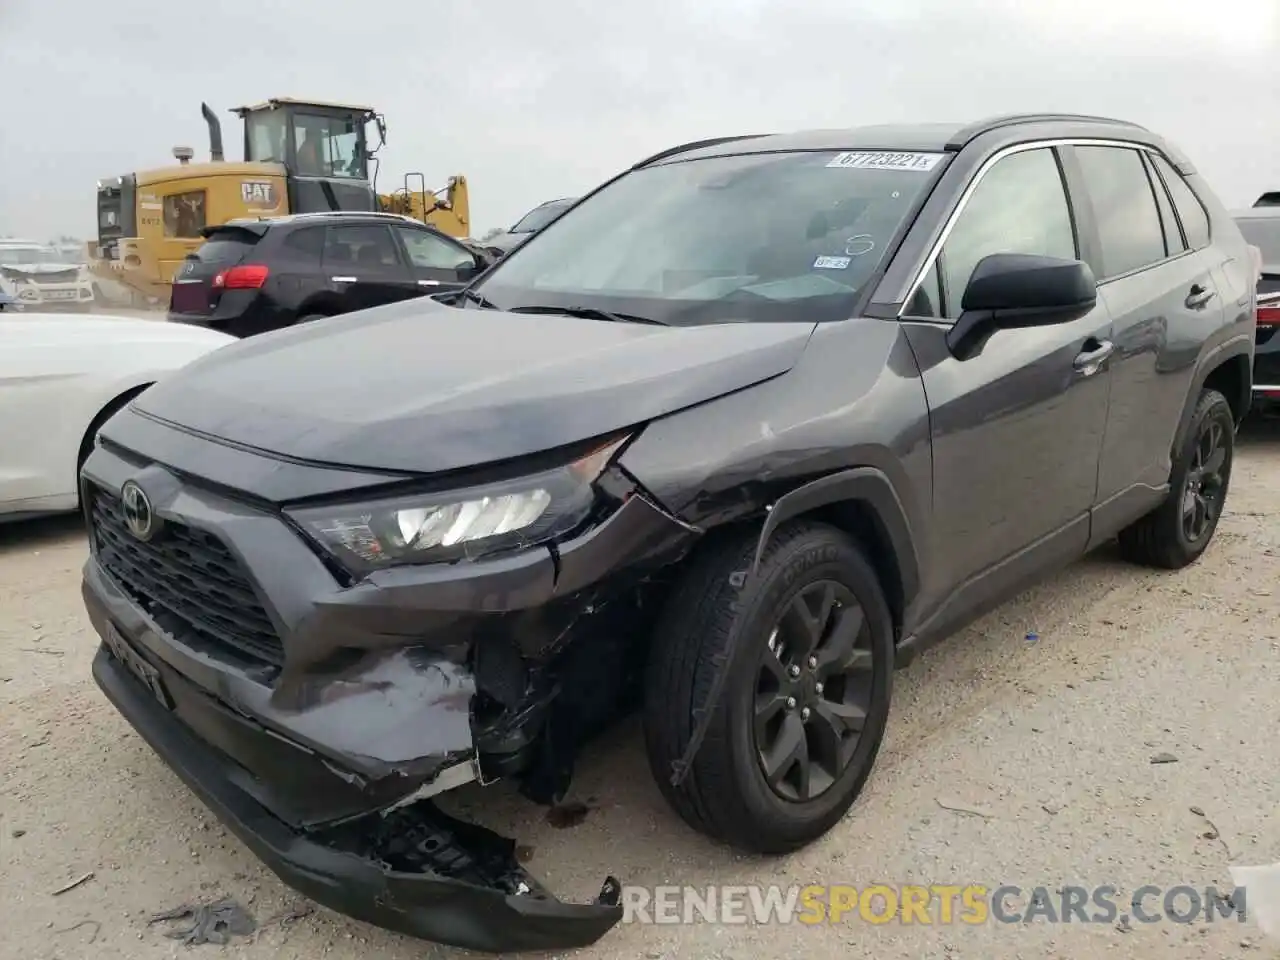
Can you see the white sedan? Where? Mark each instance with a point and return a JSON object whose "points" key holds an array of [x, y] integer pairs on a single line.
{"points": [[61, 377]]}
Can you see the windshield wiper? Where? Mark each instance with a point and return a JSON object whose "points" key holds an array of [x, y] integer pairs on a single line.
{"points": [[472, 297], [591, 313]]}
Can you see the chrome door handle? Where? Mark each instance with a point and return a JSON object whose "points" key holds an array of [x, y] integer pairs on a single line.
{"points": [[344, 279], [1198, 297], [1090, 362], [428, 283]]}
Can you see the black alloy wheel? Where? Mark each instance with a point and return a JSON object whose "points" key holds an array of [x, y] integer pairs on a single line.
{"points": [[813, 692], [1206, 488]]}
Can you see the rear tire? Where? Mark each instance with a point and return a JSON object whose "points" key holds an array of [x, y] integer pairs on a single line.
{"points": [[727, 793], [1177, 532]]}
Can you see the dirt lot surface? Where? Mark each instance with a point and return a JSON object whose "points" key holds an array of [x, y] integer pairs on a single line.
{"points": [[1010, 760]]}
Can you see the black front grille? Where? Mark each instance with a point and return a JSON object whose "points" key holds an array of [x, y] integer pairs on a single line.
{"points": [[190, 584]]}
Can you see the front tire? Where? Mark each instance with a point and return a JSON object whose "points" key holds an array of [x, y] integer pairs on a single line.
{"points": [[803, 712], [1178, 531]]}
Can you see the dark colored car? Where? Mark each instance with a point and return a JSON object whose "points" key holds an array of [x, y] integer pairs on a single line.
{"points": [[747, 428], [529, 224], [255, 275], [1261, 228]]}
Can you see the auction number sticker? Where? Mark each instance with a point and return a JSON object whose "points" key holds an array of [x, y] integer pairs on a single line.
{"points": [[874, 160]]}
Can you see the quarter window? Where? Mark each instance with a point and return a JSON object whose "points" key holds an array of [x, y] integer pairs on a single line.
{"points": [[1195, 222], [429, 252], [1019, 206], [1125, 208]]}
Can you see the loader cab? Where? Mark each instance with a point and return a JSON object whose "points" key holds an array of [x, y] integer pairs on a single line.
{"points": [[323, 148]]}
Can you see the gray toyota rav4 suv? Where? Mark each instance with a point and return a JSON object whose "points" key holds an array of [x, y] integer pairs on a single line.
{"points": [[747, 428]]}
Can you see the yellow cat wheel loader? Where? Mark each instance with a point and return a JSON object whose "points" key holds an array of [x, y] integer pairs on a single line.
{"points": [[300, 156]]}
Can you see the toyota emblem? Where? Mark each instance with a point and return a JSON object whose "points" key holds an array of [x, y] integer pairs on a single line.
{"points": [[138, 515]]}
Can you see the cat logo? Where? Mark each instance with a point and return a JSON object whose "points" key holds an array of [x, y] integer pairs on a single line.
{"points": [[258, 193]]}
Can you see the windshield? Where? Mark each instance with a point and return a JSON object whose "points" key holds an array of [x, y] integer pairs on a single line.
{"points": [[25, 255], [1263, 233], [539, 217], [779, 236]]}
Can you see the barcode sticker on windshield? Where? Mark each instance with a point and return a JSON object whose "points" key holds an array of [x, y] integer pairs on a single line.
{"points": [[872, 160]]}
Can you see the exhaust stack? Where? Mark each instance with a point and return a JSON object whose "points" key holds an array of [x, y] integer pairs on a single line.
{"points": [[215, 133]]}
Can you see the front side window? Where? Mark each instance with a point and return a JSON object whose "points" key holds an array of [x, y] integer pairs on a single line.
{"points": [[184, 214], [428, 251], [1125, 207], [778, 236], [327, 146], [1019, 206]]}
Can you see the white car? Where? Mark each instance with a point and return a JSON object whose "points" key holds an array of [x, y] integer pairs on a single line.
{"points": [[61, 378], [38, 277]]}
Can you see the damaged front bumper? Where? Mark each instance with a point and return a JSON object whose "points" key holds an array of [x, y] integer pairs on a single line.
{"points": [[416, 871], [317, 718]]}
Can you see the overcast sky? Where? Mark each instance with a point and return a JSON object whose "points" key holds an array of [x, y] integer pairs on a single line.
{"points": [[545, 98]]}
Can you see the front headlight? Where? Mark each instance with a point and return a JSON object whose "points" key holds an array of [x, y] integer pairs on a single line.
{"points": [[460, 525]]}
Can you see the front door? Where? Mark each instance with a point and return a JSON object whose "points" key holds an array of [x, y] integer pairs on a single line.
{"points": [[1017, 430], [363, 266], [439, 265]]}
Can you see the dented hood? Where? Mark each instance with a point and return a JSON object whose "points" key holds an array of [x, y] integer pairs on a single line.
{"points": [[420, 387]]}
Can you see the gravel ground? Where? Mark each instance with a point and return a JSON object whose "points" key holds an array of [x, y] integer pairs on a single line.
{"points": [[1009, 760]]}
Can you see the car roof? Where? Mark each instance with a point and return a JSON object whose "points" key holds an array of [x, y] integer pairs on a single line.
{"points": [[1003, 130], [260, 225]]}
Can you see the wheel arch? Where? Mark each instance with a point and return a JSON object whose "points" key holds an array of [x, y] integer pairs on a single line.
{"points": [[864, 504], [1229, 370], [321, 304]]}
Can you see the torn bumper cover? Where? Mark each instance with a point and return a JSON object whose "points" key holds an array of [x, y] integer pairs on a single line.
{"points": [[416, 871]]}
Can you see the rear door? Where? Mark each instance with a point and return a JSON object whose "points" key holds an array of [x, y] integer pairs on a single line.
{"points": [[191, 297], [1158, 284], [438, 264], [364, 266]]}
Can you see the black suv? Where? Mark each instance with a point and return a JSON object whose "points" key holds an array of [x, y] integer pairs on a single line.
{"points": [[746, 428], [255, 275]]}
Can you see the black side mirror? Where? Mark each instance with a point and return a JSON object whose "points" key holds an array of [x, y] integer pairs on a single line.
{"points": [[1012, 290]]}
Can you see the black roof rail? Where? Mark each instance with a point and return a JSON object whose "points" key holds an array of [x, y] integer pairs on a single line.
{"points": [[695, 145], [964, 135]]}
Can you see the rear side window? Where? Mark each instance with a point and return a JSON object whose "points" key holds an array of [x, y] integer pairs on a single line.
{"points": [[305, 244], [1195, 221], [1019, 206], [226, 247], [365, 246], [1125, 207]]}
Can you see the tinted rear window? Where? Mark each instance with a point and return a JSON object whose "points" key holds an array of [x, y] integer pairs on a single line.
{"points": [[223, 247], [1265, 235]]}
